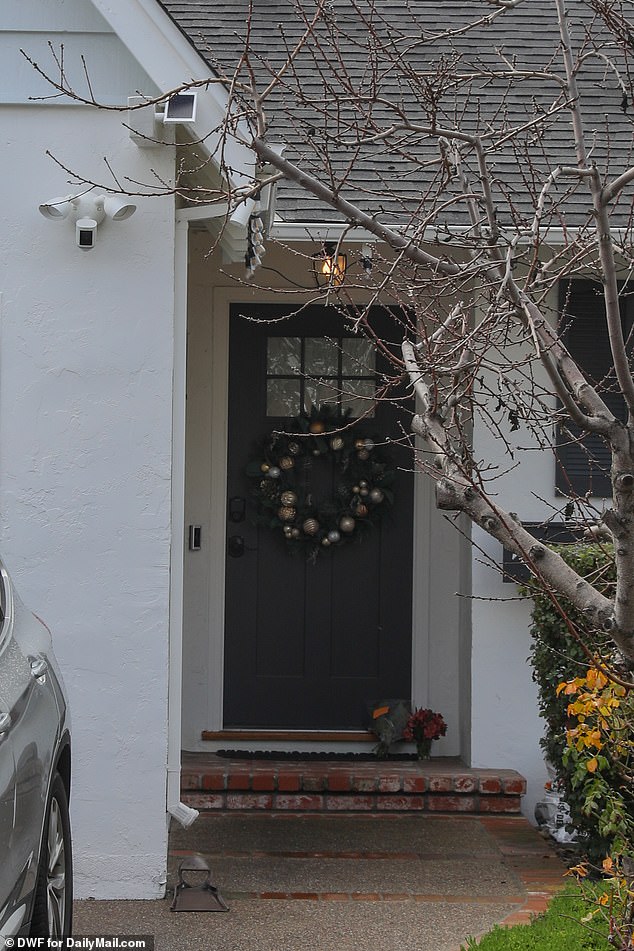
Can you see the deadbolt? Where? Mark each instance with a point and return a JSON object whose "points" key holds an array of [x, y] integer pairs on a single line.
{"points": [[237, 508]]}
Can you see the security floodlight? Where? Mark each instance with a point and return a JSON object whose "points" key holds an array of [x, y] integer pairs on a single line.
{"points": [[180, 108], [117, 208], [88, 211], [56, 207]]}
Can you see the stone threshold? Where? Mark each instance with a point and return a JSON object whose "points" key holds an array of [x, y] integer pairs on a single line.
{"points": [[210, 782]]}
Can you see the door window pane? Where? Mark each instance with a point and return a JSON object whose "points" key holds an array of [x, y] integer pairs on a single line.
{"points": [[357, 358], [282, 397], [314, 372], [322, 357], [321, 393], [284, 356]]}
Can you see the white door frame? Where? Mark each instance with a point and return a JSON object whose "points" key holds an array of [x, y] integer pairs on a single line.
{"points": [[435, 659]]}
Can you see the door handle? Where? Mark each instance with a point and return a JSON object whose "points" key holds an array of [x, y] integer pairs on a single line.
{"points": [[235, 546]]}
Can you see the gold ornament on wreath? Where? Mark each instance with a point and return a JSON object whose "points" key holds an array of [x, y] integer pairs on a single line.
{"points": [[282, 473]]}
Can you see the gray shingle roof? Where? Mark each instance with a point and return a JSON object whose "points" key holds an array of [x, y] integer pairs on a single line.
{"points": [[400, 59]]}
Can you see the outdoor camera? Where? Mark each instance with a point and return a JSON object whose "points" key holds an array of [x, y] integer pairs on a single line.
{"points": [[87, 211], [86, 233]]}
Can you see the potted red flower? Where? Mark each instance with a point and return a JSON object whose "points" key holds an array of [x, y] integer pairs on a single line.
{"points": [[422, 728]]}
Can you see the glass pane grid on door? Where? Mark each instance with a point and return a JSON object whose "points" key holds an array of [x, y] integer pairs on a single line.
{"points": [[306, 373]]}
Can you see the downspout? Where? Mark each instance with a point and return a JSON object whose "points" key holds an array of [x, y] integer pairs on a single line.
{"points": [[184, 814]]}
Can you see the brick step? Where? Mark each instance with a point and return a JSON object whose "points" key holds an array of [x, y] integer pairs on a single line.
{"points": [[210, 782]]}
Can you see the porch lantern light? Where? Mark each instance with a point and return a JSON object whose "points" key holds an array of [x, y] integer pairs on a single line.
{"points": [[330, 266]]}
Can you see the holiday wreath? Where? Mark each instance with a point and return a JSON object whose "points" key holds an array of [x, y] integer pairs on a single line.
{"points": [[282, 473]]}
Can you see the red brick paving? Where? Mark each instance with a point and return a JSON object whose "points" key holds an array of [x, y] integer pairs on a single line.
{"points": [[533, 861], [443, 785]]}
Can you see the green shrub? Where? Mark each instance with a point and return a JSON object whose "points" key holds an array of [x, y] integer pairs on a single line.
{"points": [[601, 802]]}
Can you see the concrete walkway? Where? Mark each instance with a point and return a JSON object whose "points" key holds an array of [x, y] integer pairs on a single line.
{"points": [[345, 883]]}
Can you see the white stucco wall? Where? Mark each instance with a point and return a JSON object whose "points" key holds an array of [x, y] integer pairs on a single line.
{"points": [[506, 726], [85, 430]]}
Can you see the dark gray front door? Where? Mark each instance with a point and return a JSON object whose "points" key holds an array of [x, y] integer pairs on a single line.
{"points": [[309, 643]]}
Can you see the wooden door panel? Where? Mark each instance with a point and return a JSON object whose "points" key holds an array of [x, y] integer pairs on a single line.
{"points": [[308, 644]]}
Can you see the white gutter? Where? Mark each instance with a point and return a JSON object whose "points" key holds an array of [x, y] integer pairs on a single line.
{"points": [[319, 231], [184, 814], [334, 230]]}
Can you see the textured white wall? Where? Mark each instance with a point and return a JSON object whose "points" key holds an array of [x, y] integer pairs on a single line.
{"points": [[42, 28], [85, 430], [506, 726]]}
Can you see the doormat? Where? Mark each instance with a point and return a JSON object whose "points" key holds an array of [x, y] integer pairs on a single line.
{"points": [[298, 756]]}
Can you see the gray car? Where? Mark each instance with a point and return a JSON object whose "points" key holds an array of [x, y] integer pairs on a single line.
{"points": [[35, 761]]}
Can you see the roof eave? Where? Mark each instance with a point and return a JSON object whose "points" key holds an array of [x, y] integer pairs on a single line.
{"points": [[170, 59]]}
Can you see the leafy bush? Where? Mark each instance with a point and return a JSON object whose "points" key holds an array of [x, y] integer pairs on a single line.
{"points": [[600, 754], [601, 801]]}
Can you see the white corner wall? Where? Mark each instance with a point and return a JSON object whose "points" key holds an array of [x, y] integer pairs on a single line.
{"points": [[506, 726], [85, 469]]}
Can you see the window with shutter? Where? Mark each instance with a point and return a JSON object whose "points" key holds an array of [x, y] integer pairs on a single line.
{"points": [[583, 462]]}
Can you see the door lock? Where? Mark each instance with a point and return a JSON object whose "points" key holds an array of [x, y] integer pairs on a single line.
{"points": [[235, 546], [237, 508]]}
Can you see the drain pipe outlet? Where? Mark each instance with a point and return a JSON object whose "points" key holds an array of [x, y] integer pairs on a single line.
{"points": [[183, 814]]}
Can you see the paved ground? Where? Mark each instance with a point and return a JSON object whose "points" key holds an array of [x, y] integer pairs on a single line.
{"points": [[345, 883]]}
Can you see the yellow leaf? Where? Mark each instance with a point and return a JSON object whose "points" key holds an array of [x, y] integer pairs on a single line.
{"points": [[568, 687], [592, 765], [607, 864], [596, 679]]}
